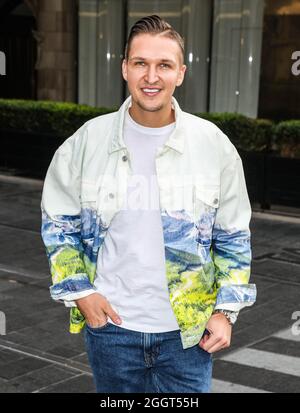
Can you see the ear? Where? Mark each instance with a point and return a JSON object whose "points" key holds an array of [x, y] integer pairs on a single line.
{"points": [[124, 69], [181, 75]]}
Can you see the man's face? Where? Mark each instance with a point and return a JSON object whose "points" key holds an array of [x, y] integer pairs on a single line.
{"points": [[154, 62]]}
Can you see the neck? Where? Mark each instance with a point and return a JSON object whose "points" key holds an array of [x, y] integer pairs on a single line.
{"points": [[152, 119]]}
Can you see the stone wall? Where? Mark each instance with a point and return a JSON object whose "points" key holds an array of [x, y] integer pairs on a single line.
{"points": [[56, 38]]}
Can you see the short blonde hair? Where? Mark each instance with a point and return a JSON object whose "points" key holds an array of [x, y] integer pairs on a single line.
{"points": [[154, 25]]}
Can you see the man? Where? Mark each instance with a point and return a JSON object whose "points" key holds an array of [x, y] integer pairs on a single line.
{"points": [[146, 225]]}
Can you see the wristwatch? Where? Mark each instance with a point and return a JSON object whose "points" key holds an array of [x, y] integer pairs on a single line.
{"points": [[230, 315]]}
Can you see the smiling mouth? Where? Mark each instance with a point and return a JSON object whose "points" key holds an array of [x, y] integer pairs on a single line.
{"points": [[150, 91]]}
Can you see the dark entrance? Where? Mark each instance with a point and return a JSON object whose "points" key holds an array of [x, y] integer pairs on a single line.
{"points": [[19, 46]]}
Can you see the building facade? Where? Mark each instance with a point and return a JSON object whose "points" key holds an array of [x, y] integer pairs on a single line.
{"points": [[238, 52]]}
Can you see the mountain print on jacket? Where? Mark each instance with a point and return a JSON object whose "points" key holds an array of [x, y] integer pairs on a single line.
{"points": [[197, 268]]}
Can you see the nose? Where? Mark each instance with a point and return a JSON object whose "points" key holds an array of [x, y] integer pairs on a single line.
{"points": [[151, 74]]}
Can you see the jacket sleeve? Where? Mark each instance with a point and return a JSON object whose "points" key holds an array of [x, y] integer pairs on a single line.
{"points": [[231, 245], [61, 226]]}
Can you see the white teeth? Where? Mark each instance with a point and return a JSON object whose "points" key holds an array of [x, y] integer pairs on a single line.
{"points": [[151, 90]]}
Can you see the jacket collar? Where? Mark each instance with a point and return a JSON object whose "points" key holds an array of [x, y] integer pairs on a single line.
{"points": [[175, 140]]}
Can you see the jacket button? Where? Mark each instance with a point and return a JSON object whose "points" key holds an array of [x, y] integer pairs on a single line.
{"points": [[215, 200], [124, 158], [111, 195]]}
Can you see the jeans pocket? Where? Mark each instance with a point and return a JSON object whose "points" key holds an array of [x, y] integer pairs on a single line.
{"points": [[98, 328]]}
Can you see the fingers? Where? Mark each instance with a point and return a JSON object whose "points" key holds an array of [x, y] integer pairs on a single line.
{"points": [[96, 322], [204, 339], [112, 314], [96, 308], [214, 343]]}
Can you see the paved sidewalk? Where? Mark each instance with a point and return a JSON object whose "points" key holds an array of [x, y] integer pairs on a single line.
{"points": [[37, 354]]}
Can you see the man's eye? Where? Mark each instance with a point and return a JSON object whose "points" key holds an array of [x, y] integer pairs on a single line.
{"points": [[138, 63], [165, 64]]}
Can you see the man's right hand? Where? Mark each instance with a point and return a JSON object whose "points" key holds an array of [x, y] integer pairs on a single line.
{"points": [[95, 308]]}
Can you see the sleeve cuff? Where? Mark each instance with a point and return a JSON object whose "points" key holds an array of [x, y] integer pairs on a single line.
{"points": [[229, 306], [71, 285], [69, 300], [234, 297]]}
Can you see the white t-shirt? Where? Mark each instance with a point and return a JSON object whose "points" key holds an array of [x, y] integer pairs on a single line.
{"points": [[131, 270]]}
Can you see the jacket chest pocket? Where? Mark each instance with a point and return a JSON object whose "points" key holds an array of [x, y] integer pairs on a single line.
{"points": [[177, 197], [206, 198], [102, 200], [196, 199], [88, 196]]}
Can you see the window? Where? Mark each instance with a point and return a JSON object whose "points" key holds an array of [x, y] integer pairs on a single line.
{"points": [[279, 95], [103, 30]]}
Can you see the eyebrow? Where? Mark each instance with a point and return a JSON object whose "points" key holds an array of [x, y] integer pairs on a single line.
{"points": [[161, 60]]}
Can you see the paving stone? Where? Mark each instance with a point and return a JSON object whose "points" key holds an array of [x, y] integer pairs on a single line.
{"points": [[261, 282], [16, 323], [241, 324], [8, 189], [255, 377], [33, 292], [64, 351], [10, 273], [7, 356], [44, 282], [80, 384], [281, 271], [275, 234], [266, 310], [279, 346], [82, 358], [21, 317], [284, 319], [37, 338], [284, 292], [20, 367], [6, 387], [40, 342], [33, 381], [12, 210], [28, 252], [261, 330], [8, 286]]}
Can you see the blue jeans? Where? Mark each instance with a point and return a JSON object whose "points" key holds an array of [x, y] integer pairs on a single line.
{"points": [[126, 361]]}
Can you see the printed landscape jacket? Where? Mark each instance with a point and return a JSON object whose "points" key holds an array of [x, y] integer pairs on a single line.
{"points": [[205, 214]]}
